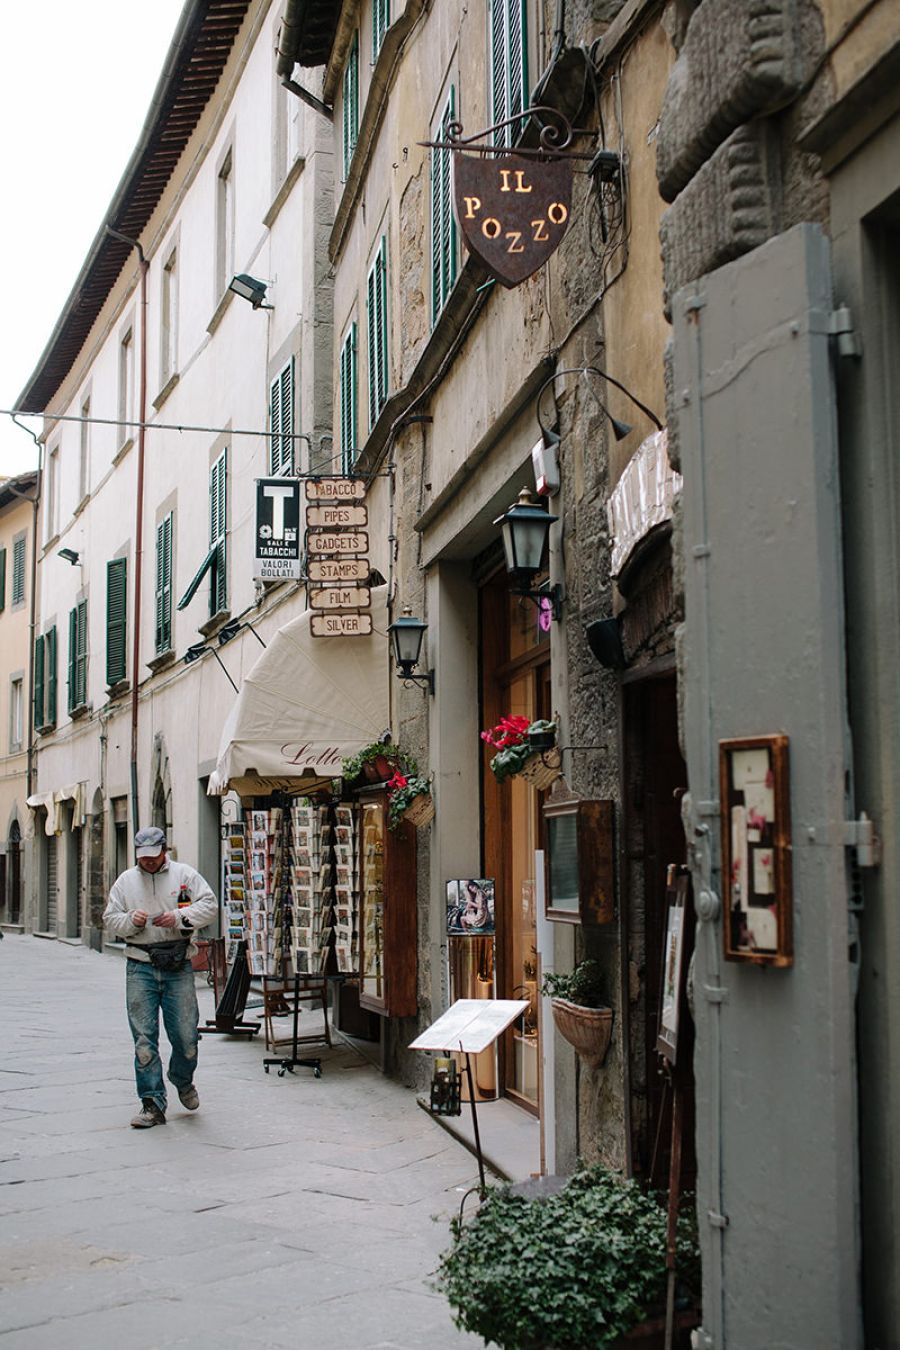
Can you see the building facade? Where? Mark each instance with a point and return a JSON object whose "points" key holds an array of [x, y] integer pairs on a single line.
{"points": [[167, 395], [18, 497]]}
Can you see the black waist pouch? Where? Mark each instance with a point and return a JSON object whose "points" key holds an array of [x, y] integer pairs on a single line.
{"points": [[165, 955]]}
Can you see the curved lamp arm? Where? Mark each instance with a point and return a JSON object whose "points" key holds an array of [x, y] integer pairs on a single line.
{"points": [[620, 429]]}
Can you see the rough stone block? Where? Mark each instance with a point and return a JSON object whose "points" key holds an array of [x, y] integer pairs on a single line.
{"points": [[730, 207], [740, 58]]}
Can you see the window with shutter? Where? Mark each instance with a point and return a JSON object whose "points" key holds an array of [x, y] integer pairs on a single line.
{"points": [[348, 400], [38, 683], [281, 413], [376, 321], [18, 576], [508, 66], [350, 103], [218, 590], [163, 636], [2, 579], [443, 221], [381, 19], [116, 617], [50, 676]]}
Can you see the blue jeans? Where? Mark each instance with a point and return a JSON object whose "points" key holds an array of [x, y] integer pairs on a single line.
{"points": [[148, 992]]}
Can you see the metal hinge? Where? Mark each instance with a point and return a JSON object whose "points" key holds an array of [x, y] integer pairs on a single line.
{"points": [[860, 835], [840, 327]]}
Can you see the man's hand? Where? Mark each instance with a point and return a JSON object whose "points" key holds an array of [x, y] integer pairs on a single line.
{"points": [[167, 920], [139, 918]]}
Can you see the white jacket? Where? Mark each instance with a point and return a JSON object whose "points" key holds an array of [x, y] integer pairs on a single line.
{"points": [[156, 893]]}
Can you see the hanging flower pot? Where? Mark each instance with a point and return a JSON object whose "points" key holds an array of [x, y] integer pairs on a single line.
{"points": [[420, 811], [588, 1030], [542, 768]]}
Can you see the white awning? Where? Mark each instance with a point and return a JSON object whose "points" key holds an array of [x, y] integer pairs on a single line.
{"points": [[307, 703], [54, 802]]}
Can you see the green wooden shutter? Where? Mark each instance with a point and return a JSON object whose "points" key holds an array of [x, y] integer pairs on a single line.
{"points": [[350, 122], [443, 221], [348, 400], [163, 638], [50, 671], [281, 407], [38, 683], [381, 18], [18, 576], [73, 659], [218, 591], [116, 619], [508, 66], [376, 300], [82, 654], [2, 579]]}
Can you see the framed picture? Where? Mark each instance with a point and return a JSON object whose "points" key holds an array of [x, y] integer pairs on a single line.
{"points": [[579, 858], [470, 907], [756, 850], [678, 945]]}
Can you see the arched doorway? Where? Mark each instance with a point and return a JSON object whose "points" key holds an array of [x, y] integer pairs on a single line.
{"points": [[14, 874]]}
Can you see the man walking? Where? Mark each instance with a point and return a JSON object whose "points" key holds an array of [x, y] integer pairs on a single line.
{"points": [[156, 907]]}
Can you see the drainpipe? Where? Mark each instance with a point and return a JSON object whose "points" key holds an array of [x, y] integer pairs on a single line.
{"points": [[138, 527]]}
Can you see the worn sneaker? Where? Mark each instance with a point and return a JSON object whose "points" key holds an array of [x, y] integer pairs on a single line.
{"points": [[189, 1097], [148, 1115]]}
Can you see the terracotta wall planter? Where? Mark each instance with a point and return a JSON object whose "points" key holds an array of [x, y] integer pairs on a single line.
{"points": [[420, 811], [587, 1029]]}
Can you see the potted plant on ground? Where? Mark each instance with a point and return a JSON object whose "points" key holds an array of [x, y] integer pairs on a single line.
{"points": [[580, 1011], [376, 763], [524, 747], [575, 1268], [409, 799]]}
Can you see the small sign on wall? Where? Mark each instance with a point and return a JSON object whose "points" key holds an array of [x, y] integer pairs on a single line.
{"points": [[277, 548]]}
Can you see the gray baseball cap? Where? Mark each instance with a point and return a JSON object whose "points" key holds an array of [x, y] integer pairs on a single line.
{"points": [[150, 842]]}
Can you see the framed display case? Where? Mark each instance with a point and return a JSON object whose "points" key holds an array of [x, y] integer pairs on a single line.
{"points": [[754, 781], [579, 858], [387, 911]]}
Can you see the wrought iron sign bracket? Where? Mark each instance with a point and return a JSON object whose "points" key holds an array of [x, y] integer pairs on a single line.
{"points": [[554, 139]]}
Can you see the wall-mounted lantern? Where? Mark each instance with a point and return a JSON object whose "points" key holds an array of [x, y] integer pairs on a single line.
{"points": [[524, 529], [407, 633]]}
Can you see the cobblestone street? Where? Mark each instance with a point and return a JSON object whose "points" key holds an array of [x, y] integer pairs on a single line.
{"points": [[286, 1212]]}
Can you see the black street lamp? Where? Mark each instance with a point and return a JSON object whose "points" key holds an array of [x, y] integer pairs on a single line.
{"points": [[406, 637], [524, 529]]}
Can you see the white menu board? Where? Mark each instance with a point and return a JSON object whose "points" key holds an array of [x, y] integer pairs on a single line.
{"points": [[471, 1024]]}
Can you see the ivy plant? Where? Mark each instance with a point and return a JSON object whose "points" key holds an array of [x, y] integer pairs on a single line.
{"points": [[584, 985], [571, 1271]]}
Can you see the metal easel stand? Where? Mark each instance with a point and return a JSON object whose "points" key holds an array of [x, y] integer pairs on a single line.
{"points": [[288, 1063], [478, 1154]]}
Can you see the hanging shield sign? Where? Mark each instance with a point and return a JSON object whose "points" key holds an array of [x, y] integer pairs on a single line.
{"points": [[513, 211]]}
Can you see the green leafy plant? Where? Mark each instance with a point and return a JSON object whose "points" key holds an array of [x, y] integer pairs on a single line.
{"points": [[401, 792], [512, 739], [583, 985], [572, 1271], [352, 766]]}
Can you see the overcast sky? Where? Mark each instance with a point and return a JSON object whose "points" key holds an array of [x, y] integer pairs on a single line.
{"points": [[76, 81]]}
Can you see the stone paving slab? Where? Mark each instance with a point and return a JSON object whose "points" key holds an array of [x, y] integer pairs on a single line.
{"points": [[286, 1212]]}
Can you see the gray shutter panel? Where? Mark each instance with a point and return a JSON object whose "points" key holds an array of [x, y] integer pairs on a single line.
{"points": [[763, 652], [18, 578], [50, 666], [38, 683], [116, 619]]}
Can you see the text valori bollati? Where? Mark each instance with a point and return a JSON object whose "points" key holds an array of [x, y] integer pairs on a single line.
{"points": [[337, 543]]}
